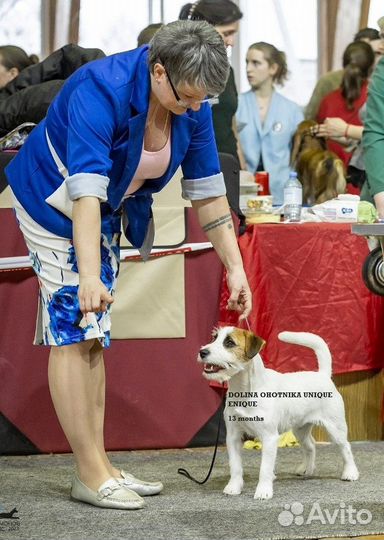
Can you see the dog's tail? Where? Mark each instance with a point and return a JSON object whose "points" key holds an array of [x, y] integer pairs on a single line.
{"points": [[314, 342]]}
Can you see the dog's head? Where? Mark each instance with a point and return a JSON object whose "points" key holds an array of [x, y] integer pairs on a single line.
{"points": [[229, 352], [305, 139]]}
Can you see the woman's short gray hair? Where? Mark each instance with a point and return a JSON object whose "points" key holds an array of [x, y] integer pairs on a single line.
{"points": [[193, 53]]}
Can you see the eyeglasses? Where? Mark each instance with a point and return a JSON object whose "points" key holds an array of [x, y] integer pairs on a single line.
{"points": [[212, 100]]}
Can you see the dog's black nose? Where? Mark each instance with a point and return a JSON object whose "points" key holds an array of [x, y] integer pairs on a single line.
{"points": [[204, 353]]}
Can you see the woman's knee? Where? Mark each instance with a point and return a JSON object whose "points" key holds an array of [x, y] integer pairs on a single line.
{"points": [[81, 349]]}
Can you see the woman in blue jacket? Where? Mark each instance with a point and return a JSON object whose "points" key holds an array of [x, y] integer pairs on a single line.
{"points": [[115, 134], [267, 120]]}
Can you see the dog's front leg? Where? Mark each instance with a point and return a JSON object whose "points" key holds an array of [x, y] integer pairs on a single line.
{"points": [[234, 446], [264, 489]]}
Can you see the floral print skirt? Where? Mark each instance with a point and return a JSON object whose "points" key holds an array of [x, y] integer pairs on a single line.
{"points": [[59, 319]]}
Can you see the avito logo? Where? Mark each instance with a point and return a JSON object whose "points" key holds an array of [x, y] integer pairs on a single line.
{"points": [[346, 210], [293, 514]]}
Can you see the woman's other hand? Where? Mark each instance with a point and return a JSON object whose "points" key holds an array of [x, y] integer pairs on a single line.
{"points": [[93, 295]]}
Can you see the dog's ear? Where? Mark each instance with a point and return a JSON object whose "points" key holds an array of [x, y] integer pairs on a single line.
{"points": [[296, 143], [253, 344]]}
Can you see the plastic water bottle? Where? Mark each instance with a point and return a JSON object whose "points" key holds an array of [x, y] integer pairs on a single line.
{"points": [[293, 198]]}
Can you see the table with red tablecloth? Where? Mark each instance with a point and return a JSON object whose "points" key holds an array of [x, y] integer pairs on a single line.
{"points": [[307, 277]]}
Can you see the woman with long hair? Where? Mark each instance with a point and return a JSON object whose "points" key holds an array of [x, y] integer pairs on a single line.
{"points": [[266, 119], [343, 104]]}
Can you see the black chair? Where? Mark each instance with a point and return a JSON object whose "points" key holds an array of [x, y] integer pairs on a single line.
{"points": [[231, 170]]}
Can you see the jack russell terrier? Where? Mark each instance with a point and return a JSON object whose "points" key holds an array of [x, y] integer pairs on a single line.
{"points": [[265, 403]]}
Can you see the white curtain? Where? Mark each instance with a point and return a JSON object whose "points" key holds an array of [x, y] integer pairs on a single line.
{"points": [[347, 24], [62, 22]]}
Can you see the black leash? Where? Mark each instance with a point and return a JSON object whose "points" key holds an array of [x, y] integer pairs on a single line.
{"points": [[184, 472]]}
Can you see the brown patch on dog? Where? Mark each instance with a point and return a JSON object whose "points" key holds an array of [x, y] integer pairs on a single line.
{"points": [[321, 172], [305, 139], [248, 344]]}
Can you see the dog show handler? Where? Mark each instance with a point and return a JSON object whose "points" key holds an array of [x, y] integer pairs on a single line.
{"points": [[114, 135]]}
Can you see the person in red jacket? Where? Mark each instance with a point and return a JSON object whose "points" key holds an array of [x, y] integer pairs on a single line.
{"points": [[346, 101]]}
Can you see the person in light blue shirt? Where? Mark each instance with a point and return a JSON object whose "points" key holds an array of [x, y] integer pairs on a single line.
{"points": [[266, 119]]}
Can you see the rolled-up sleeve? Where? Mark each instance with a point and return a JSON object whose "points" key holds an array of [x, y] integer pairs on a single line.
{"points": [[373, 134], [87, 184], [202, 177], [203, 188], [92, 118]]}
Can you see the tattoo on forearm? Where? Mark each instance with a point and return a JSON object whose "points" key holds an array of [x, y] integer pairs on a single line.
{"points": [[218, 222]]}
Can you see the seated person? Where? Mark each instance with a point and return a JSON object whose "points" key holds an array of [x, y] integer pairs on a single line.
{"points": [[13, 60], [346, 102], [332, 80], [27, 96], [350, 135], [267, 120]]}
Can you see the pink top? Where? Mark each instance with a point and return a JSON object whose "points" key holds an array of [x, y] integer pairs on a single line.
{"points": [[151, 165]]}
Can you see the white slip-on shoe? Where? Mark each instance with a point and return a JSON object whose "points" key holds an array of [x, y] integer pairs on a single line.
{"points": [[111, 494], [141, 487]]}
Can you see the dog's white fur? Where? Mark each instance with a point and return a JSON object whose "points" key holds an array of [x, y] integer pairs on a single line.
{"points": [[233, 357]]}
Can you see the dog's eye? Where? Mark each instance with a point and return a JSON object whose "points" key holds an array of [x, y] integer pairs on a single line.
{"points": [[228, 342]]}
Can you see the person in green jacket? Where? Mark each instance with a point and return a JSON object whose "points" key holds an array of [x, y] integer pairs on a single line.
{"points": [[373, 140]]}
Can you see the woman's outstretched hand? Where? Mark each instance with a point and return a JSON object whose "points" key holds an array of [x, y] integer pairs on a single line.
{"points": [[240, 299]]}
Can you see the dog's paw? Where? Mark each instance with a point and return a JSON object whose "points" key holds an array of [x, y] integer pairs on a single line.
{"points": [[350, 473], [304, 470], [233, 488], [263, 491]]}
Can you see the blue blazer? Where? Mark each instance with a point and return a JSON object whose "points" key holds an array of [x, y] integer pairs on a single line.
{"points": [[91, 141], [272, 141]]}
